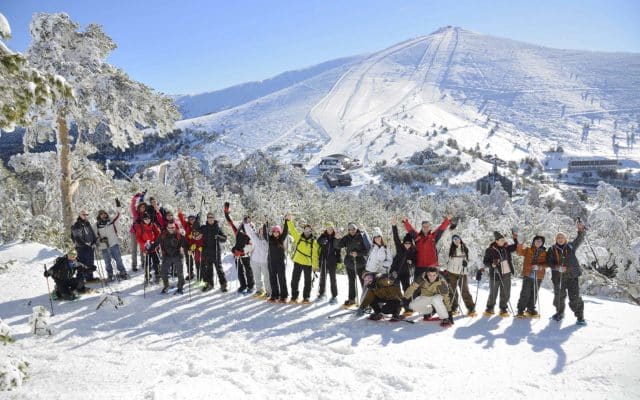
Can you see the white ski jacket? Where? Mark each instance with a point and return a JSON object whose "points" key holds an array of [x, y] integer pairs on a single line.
{"points": [[260, 246], [379, 260]]}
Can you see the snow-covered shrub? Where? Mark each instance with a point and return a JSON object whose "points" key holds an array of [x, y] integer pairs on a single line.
{"points": [[5, 333], [38, 321], [13, 372]]}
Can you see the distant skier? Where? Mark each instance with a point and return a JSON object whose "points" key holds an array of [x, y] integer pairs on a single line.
{"points": [[535, 262], [305, 259], [565, 270], [497, 258]]}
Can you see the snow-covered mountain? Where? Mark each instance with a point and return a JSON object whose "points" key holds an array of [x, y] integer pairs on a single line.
{"points": [[508, 98], [210, 102]]}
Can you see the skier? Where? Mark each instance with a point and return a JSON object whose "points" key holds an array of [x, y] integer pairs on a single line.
{"points": [[355, 259], [241, 251], [497, 258], [84, 239], [329, 259], [426, 240], [457, 276], [565, 270], [277, 262], [259, 259], [535, 262], [433, 295], [109, 243], [146, 233], [172, 244], [305, 258], [403, 261], [382, 295], [211, 253], [67, 273]]}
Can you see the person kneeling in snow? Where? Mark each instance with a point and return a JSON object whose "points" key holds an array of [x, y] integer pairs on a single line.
{"points": [[383, 295], [68, 274], [434, 294]]}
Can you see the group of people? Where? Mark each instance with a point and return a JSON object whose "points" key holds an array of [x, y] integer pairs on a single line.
{"points": [[400, 283]]}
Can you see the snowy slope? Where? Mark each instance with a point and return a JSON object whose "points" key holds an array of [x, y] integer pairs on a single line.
{"points": [[228, 346], [196, 105], [382, 106]]}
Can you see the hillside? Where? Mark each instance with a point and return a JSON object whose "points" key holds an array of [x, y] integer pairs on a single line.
{"points": [[229, 346], [506, 97]]}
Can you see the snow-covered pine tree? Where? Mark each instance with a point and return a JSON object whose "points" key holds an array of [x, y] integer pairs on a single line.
{"points": [[21, 86], [106, 99]]}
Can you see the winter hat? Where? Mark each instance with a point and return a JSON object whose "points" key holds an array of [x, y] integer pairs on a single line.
{"points": [[276, 228], [73, 253], [352, 225], [329, 225], [146, 216], [377, 232], [561, 233], [100, 212], [210, 214], [454, 237], [426, 222], [191, 216], [497, 235], [408, 238]]}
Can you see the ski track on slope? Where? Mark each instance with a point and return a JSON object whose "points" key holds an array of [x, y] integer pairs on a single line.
{"points": [[233, 346]]}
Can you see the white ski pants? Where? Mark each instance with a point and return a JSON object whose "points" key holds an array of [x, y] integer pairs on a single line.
{"points": [[425, 304]]}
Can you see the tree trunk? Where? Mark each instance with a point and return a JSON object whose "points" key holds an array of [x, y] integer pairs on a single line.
{"points": [[64, 156]]}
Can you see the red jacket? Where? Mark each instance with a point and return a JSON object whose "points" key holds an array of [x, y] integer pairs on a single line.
{"points": [[195, 247], [146, 233], [426, 253], [185, 225]]}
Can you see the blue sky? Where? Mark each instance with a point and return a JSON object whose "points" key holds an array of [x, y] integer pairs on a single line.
{"points": [[193, 46]]}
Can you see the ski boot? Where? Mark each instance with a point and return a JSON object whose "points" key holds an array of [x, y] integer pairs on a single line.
{"points": [[376, 316], [504, 313], [488, 312]]}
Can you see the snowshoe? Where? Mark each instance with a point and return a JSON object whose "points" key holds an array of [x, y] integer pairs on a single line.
{"points": [[557, 317], [376, 316], [293, 301], [123, 276], [472, 313], [446, 323], [533, 314], [488, 313], [521, 315], [408, 312], [306, 301], [178, 291], [272, 300], [259, 293], [207, 287], [333, 300], [164, 290], [504, 314], [455, 313], [396, 318], [581, 322], [134, 269], [248, 291], [430, 317], [224, 289]]}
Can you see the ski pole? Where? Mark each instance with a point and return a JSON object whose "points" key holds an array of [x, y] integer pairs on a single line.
{"points": [[49, 290], [341, 314], [477, 288]]}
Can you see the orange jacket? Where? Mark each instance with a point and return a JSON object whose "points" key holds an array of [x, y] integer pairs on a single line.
{"points": [[529, 253]]}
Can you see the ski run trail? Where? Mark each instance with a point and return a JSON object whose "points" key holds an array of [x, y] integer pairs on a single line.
{"points": [[229, 346]]}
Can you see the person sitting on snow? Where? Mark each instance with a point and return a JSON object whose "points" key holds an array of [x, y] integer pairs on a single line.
{"points": [[68, 274], [434, 294]]}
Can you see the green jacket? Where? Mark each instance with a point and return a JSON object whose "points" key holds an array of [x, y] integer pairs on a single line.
{"points": [[306, 251]]}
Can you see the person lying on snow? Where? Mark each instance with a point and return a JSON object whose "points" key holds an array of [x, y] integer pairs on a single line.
{"points": [[68, 274], [434, 294]]}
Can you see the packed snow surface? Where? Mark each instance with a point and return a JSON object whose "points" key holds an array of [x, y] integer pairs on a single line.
{"points": [[233, 346]]}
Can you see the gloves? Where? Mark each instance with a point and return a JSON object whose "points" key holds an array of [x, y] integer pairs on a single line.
{"points": [[226, 207], [445, 273], [46, 273], [448, 320], [118, 203], [144, 192], [535, 268], [394, 275], [147, 245], [360, 312], [464, 263], [479, 274]]}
